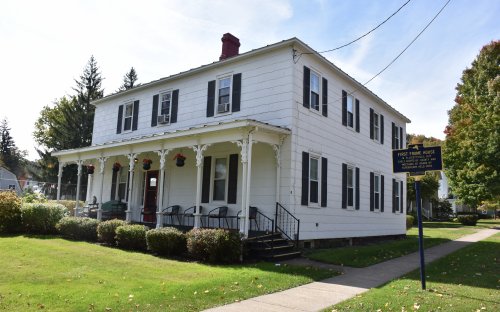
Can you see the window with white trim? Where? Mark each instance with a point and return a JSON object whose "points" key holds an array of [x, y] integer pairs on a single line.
{"points": [[314, 178], [350, 186], [219, 180], [376, 127], [224, 95], [350, 111], [315, 87], [376, 192], [165, 107], [397, 138], [128, 116], [397, 196]]}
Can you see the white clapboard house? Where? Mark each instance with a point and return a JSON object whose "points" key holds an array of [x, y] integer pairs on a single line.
{"points": [[279, 128]]}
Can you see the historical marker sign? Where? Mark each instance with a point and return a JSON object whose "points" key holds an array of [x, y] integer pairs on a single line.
{"points": [[417, 159]]}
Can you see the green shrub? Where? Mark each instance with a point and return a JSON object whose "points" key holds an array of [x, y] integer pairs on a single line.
{"points": [[40, 218], [131, 237], [106, 231], [10, 212], [467, 219], [78, 228], [32, 197], [214, 245], [69, 204], [166, 241], [409, 222]]}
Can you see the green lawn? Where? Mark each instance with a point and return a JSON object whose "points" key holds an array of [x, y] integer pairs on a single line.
{"points": [[467, 280], [59, 275], [361, 256]]}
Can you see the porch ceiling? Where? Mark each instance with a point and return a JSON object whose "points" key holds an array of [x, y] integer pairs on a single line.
{"points": [[205, 134]]}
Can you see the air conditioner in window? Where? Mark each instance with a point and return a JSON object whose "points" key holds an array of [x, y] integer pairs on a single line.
{"points": [[163, 119], [223, 108]]}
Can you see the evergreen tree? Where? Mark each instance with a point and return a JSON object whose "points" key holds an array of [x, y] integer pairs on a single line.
{"points": [[472, 148], [12, 158], [129, 80]]}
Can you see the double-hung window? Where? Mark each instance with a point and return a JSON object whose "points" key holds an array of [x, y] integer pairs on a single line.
{"points": [[220, 178], [128, 116], [397, 137], [164, 108], [350, 187], [350, 111], [376, 192], [314, 91], [397, 196], [376, 127], [224, 95], [314, 180]]}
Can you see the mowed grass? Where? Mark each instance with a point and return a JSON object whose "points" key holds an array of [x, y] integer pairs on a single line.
{"points": [[467, 280], [59, 275], [435, 233]]}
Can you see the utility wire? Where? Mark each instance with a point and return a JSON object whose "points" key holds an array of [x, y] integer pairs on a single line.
{"points": [[361, 37]]}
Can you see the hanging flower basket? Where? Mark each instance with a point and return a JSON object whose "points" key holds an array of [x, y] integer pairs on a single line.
{"points": [[90, 169], [116, 166], [146, 164], [179, 160]]}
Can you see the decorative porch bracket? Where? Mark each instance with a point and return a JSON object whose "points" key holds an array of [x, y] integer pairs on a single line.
{"points": [[131, 163], [159, 217], [102, 164], [78, 184], [277, 155], [198, 149], [243, 144]]}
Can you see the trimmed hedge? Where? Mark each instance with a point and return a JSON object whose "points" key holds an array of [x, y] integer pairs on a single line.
{"points": [[78, 228], [166, 241], [468, 219], [10, 212], [131, 237], [41, 218], [214, 245], [409, 222], [69, 204], [106, 231]]}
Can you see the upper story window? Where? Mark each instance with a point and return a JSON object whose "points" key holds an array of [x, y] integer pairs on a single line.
{"points": [[165, 106], [315, 91], [376, 126], [397, 137], [350, 111], [224, 95], [128, 115]]}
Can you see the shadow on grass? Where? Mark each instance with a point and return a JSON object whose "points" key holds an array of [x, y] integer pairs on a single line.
{"points": [[441, 224]]}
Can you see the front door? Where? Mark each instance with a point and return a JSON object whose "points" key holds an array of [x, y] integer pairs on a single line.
{"points": [[151, 190]]}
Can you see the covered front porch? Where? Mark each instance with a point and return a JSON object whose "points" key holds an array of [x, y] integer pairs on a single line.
{"points": [[224, 175]]}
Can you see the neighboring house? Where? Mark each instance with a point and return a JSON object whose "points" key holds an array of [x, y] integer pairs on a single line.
{"points": [[445, 192], [8, 181], [279, 128]]}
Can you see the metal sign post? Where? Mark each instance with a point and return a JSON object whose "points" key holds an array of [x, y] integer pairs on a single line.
{"points": [[416, 160]]}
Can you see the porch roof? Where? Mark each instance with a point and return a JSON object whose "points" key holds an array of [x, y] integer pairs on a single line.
{"points": [[203, 134]]}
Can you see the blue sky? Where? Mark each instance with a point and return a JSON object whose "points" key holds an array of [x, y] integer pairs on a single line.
{"points": [[46, 44]]}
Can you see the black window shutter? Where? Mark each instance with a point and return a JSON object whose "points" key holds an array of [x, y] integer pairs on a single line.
{"points": [[232, 179], [357, 115], [305, 179], [401, 137], [357, 189], [371, 123], [211, 98], [154, 111], [119, 121], [401, 207], [344, 108], [344, 186], [205, 185], [325, 97], [372, 191], [236, 93], [136, 115], [307, 87], [394, 136], [394, 185], [382, 194], [324, 181], [175, 106], [381, 129]]}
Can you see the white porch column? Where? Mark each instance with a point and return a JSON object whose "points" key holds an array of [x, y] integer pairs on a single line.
{"points": [[59, 177], [102, 164], [243, 144], [159, 218], [277, 154], [78, 182], [90, 179], [248, 183], [199, 149], [131, 163]]}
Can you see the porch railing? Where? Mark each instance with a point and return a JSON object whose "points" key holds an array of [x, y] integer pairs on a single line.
{"points": [[287, 224]]}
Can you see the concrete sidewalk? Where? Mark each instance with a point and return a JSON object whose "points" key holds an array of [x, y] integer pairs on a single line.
{"points": [[320, 295]]}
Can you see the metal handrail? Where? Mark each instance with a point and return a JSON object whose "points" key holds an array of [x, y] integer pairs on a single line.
{"points": [[287, 224]]}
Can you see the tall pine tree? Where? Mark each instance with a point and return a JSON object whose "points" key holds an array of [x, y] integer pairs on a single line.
{"points": [[129, 80], [12, 158]]}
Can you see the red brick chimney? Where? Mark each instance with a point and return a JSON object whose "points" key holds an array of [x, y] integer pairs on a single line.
{"points": [[230, 46]]}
